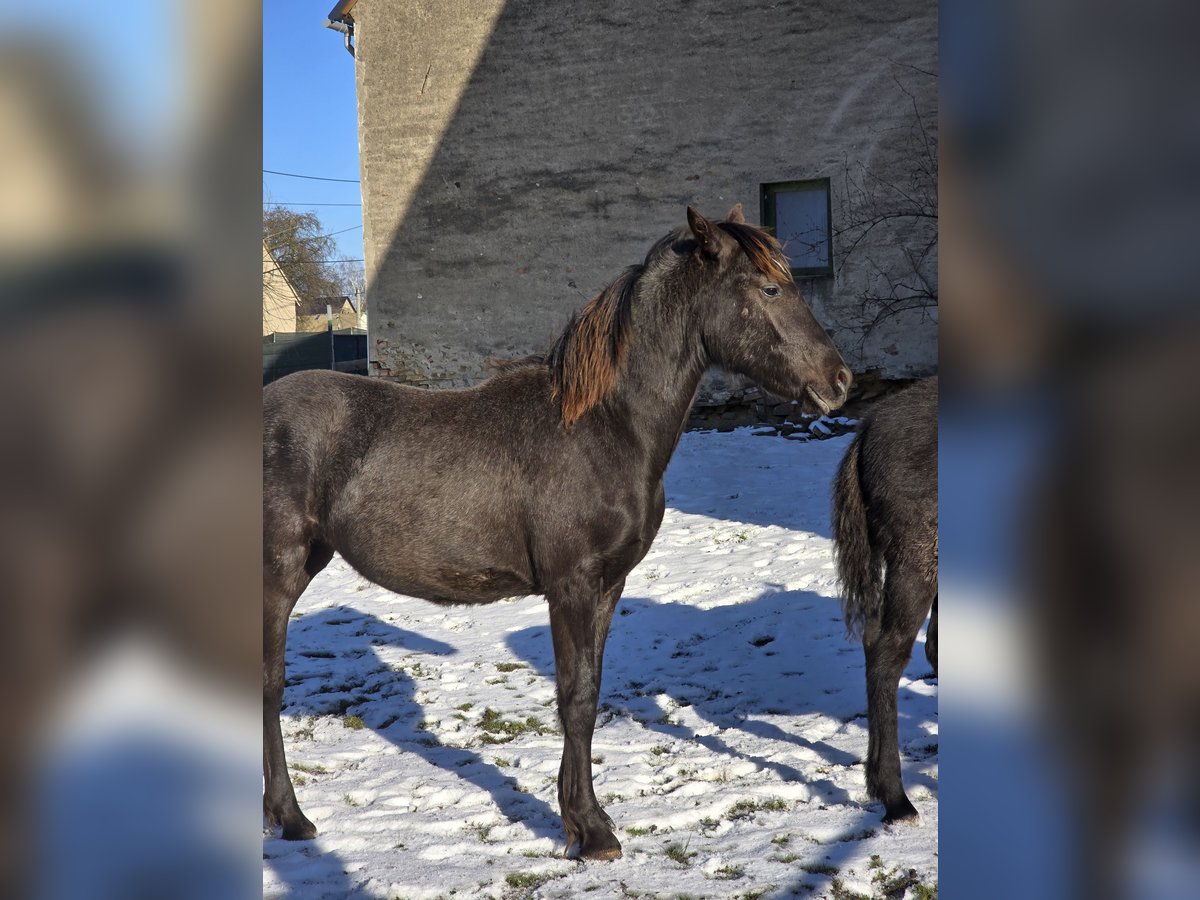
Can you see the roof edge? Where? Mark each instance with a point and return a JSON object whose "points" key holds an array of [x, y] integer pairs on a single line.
{"points": [[341, 9]]}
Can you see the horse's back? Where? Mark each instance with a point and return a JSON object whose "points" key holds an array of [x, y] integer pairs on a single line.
{"points": [[898, 447], [899, 442]]}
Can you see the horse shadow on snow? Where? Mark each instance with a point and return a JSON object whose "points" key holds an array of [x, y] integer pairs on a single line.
{"points": [[782, 654], [732, 665], [334, 668]]}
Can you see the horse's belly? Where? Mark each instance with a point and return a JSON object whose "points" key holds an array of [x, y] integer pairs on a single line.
{"points": [[442, 580]]}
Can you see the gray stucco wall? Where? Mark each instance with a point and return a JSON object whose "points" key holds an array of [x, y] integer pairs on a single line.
{"points": [[515, 156]]}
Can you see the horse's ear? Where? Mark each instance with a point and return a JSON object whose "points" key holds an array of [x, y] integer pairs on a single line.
{"points": [[735, 215], [703, 231]]}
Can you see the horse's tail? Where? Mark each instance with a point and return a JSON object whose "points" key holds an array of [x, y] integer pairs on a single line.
{"points": [[858, 564]]}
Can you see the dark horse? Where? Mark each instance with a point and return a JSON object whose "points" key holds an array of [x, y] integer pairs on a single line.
{"points": [[885, 527], [562, 492]]}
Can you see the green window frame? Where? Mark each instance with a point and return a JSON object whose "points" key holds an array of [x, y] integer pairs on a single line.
{"points": [[815, 260]]}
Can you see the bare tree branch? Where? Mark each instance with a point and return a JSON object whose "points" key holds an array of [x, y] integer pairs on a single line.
{"points": [[889, 227]]}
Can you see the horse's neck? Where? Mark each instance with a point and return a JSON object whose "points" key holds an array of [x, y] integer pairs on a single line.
{"points": [[662, 372]]}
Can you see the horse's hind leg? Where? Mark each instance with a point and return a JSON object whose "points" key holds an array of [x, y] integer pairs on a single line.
{"points": [[931, 637], [285, 576], [888, 642]]}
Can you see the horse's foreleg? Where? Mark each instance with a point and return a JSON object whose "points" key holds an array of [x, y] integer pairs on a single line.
{"points": [[888, 642], [579, 617], [281, 590]]}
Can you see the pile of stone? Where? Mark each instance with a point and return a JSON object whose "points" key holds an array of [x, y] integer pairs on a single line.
{"points": [[810, 428]]}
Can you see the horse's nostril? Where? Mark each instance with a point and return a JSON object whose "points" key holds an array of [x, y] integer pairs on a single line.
{"points": [[843, 379]]}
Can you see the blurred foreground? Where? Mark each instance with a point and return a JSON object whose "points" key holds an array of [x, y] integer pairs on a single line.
{"points": [[1069, 438], [1070, 431], [130, 520]]}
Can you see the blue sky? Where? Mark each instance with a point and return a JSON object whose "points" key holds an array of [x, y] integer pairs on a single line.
{"points": [[310, 123]]}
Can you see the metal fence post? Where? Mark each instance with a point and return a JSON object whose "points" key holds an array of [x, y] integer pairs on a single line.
{"points": [[332, 346]]}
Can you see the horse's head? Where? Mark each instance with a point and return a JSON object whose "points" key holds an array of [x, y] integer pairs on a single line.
{"points": [[755, 322]]}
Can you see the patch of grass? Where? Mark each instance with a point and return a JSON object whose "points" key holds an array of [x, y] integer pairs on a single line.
{"points": [[350, 801], [528, 881], [820, 869], [353, 722], [876, 862], [861, 835], [499, 731], [925, 892], [744, 809], [480, 831], [659, 750], [708, 823], [299, 780], [757, 893], [510, 666], [309, 768], [839, 891], [502, 762], [894, 884], [464, 707], [741, 537], [635, 831], [787, 857], [730, 872], [781, 839], [679, 853]]}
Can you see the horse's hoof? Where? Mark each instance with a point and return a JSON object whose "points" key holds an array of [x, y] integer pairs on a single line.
{"points": [[302, 830], [601, 855], [602, 849], [901, 812], [598, 845]]}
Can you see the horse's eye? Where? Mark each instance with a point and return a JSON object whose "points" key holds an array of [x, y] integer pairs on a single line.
{"points": [[771, 290]]}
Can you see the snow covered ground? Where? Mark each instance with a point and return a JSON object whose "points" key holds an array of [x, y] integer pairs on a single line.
{"points": [[424, 743]]}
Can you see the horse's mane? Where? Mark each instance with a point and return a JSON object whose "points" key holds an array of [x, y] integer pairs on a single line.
{"points": [[762, 248], [587, 358]]}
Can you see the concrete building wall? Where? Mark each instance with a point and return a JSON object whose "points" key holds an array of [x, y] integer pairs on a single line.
{"points": [[515, 156]]}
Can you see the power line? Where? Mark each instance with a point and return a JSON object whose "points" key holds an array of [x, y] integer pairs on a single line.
{"points": [[313, 238], [278, 267], [294, 203], [312, 177]]}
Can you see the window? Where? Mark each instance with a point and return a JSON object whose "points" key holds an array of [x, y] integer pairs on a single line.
{"points": [[799, 215]]}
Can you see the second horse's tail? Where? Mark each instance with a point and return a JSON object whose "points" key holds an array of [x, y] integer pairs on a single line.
{"points": [[859, 565]]}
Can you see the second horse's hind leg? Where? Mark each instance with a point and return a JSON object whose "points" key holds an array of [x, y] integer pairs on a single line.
{"points": [[283, 582], [888, 642], [931, 637]]}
